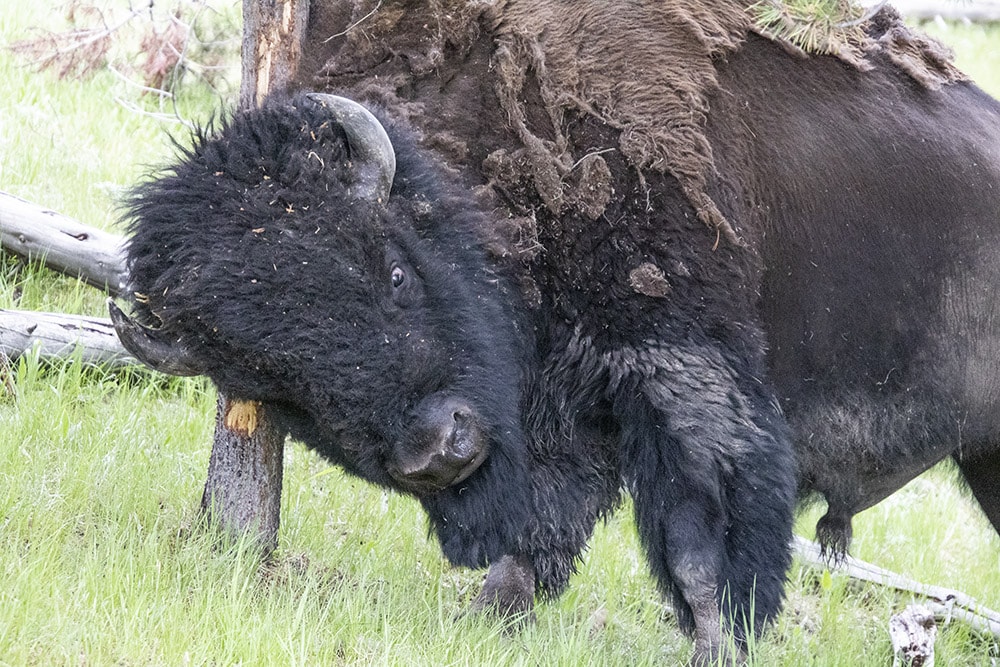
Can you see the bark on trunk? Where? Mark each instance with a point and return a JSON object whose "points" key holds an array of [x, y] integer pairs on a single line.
{"points": [[273, 35], [243, 490], [243, 487]]}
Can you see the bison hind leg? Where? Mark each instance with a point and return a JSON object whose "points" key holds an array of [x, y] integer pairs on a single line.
{"points": [[982, 474]]}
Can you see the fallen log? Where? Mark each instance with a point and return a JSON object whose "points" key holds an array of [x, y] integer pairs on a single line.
{"points": [[944, 603], [57, 336], [63, 244]]}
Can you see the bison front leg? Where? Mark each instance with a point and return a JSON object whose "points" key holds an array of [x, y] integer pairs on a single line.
{"points": [[509, 590], [708, 461]]}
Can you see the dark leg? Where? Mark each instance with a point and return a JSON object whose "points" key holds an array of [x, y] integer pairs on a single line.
{"points": [[862, 487], [710, 468], [575, 481], [834, 531], [982, 474], [857, 449], [509, 590]]}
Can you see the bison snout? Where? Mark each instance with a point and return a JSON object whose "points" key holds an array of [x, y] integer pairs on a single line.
{"points": [[444, 446]]}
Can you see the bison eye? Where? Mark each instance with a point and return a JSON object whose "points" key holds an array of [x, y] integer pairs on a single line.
{"points": [[397, 277]]}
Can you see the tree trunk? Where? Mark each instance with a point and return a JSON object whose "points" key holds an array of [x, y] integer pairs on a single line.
{"points": [[243, 490], [273, 35], [243, 487]]}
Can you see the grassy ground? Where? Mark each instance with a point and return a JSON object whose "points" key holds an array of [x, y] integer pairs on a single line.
{"points": [[103, 561]]}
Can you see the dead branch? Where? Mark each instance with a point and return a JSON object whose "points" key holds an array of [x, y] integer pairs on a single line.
{"points": [[62, 244], [946, 604], [77, 52], [154, 48]]}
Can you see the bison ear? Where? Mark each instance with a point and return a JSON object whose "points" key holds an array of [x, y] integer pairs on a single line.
{"points": [[148, 347], [370, 146]]}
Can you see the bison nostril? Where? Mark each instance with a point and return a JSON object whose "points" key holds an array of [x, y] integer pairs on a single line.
{"points": [[444, 444]]}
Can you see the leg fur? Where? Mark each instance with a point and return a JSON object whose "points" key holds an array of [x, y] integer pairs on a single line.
{"points": [[509, 590], [709, 465]]}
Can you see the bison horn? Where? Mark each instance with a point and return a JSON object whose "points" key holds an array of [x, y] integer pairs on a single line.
{"points": [[143, 343], [370, 145]]}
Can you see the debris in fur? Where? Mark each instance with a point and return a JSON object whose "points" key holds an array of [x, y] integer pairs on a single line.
{"points": [[649, 279]]}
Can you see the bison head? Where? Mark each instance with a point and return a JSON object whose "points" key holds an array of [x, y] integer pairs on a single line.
{"points": [[308, 255]]}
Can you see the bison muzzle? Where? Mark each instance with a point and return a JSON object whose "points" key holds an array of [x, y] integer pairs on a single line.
{"points": [[443, 446]]}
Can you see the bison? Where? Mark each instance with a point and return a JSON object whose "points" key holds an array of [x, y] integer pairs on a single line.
{"points": [[640, 247], [302, 256]]}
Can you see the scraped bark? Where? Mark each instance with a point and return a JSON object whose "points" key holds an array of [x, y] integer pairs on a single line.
{"points": [[243, 486], [273, 35], [63, 244]]}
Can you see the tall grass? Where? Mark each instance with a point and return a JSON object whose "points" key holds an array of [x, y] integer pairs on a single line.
{"points": [[103, 559]]}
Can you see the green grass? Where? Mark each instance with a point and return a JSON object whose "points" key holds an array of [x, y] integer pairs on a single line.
{"points": [[103, 560]]}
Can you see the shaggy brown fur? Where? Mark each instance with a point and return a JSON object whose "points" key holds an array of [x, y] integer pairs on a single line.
{"points": [[924, 58], [644, 69]]}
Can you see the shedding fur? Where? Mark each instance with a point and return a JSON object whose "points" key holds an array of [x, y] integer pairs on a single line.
{"points": [[925, 59], [645, 69]]}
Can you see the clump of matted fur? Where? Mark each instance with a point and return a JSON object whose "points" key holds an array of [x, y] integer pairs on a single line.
{"points": [[925, 59], [644, 68]]}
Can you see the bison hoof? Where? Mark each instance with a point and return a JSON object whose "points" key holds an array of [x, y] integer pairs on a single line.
{"points": [[833, 532], [509, 592]]}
